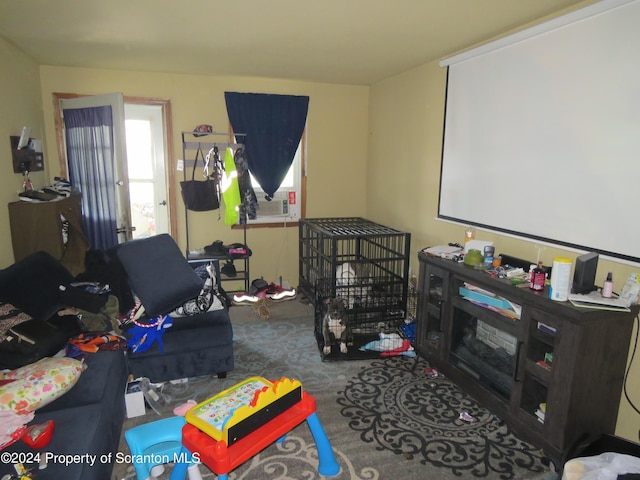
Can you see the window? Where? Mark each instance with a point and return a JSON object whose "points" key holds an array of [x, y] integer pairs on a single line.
{"points": [[273, 125], [286, 205], [146, 168]]}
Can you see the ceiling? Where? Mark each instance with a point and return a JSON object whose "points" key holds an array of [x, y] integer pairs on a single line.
{"points": [[357, 42]]}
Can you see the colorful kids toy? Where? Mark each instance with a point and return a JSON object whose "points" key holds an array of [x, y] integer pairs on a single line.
{"points": [[236, 424], [236, 412]]}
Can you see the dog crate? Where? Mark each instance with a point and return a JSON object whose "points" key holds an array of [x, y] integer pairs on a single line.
{"points": [[365, 264]]}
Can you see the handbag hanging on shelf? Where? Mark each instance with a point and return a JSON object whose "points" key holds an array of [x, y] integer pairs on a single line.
{"points": [[200, 195]]}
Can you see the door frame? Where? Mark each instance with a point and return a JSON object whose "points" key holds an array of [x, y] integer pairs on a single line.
{"points": [[169, 151]]}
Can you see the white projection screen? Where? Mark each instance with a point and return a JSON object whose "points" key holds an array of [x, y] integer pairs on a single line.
{"points": [[542, 133]]}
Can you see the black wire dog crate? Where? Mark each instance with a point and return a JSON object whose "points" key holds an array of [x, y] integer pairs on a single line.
{"points": [[362, 262]]}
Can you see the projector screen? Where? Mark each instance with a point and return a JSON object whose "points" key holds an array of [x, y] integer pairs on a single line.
{"points": [[542, 132]]}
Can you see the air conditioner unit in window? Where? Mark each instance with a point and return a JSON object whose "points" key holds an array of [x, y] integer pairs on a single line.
{"points": [[278, 206]]}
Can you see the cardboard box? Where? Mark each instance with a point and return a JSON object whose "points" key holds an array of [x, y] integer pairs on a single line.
{"points": [[134, 399]]}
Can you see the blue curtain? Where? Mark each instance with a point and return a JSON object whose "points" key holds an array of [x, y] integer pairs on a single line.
{"points": [[90, 152], [274, 125]]}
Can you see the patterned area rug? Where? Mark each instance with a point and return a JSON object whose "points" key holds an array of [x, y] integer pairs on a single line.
{"points": [[385, 419], [395, 406]]}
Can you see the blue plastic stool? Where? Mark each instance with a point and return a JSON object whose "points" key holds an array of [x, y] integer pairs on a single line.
{"points": [[158, 443]]}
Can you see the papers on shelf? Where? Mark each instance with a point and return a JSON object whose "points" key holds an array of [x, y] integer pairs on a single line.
{"points": [[597, 301], [490, 301]]}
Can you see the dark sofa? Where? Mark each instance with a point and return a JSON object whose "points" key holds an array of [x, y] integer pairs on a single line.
{"points": [[88, 422], [195, 345], [89, 417]]}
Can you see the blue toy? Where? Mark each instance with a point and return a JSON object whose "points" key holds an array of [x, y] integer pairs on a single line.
{"points": [[143, 336]]}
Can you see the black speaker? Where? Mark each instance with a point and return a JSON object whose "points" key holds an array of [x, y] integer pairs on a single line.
{"points": [[516, 262], [584, 275]]}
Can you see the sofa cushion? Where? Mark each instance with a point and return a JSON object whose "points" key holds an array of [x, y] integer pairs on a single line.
{"points": [[31, 284], [158, 273], [102, 382], [83, 446], [37, 384]]}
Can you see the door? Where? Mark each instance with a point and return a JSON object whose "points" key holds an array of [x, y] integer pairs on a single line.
{"points": [[146, 169], [121, 184]]}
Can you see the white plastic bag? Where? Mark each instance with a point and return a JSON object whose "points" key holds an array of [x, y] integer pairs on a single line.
{"points": [[606, 466]]}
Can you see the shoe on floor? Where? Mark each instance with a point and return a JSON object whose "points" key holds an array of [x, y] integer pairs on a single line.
{"points": [[283, 295], [244, 299], [257, 286], [276, 292]]}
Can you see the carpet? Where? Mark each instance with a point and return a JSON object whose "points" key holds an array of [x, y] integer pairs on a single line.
{"points": [[385, 418]]}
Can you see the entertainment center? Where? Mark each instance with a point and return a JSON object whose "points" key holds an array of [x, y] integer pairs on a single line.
{"points": [[553, 373]]}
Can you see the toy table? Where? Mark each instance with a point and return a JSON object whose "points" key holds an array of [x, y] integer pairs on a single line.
{"points": [[271, 420]]}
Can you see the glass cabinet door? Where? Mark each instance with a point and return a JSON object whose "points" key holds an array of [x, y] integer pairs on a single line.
{"points": [[432, 291], [484, 347], [538, 366]]}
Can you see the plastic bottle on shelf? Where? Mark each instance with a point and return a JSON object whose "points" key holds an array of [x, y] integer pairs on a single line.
{"points": [[537, 278], [560, 284], [607, 287]]}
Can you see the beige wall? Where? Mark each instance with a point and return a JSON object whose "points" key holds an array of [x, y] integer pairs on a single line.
{"points": [[21, 105], [336, 147], [405, 122]]}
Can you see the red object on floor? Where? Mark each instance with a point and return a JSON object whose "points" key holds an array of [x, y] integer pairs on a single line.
{"points": [[222, 459]]}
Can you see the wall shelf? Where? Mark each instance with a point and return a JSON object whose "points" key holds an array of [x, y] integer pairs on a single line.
{"points": [[25, 160], [190, 145]]}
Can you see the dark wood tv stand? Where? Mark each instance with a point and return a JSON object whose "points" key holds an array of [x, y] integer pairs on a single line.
{"points": [[589, 348]]}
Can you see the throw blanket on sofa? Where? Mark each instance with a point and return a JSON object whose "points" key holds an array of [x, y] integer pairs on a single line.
{"points": [[10, 316], [207, 300]]}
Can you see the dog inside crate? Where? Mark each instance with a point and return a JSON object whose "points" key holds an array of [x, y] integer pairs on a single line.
{"points": [[354, 287], [362, 264], [372, 296], [348, 332], [362, 305], [364, 285], [335, 326]]}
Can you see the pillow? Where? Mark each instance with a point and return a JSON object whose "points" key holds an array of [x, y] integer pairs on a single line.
{"points": [[38, 384], [158, 273], [31, 284]]}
